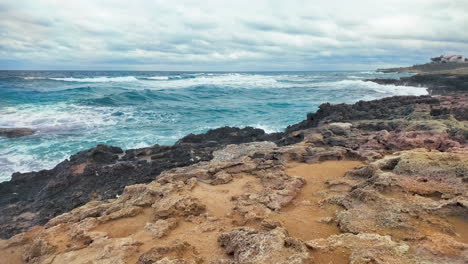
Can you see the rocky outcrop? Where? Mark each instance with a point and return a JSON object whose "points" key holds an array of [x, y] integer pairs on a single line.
{"points": [[16, 132], [389, 108], [437, 84], [389, 124], [365, 130], [428, 68], [418, 197], [101, 173], [438, 78], [383, 181], [404, 208], [247, 245], [178, 200]]}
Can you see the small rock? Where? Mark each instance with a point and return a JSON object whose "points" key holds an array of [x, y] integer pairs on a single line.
{"points": [[16, 132]]}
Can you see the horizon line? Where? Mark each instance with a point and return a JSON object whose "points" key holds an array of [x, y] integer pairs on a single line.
{"points": [[195, 71]]}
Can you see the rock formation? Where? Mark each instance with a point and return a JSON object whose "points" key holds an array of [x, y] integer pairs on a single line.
{"points": [[437, 84], [383, 181], [102, 172]]}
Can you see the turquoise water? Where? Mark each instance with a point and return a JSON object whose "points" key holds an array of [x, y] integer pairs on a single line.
{"points": [[73, 111]]}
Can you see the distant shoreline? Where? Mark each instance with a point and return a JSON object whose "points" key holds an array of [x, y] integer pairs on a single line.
{"points": [[431, 68]]}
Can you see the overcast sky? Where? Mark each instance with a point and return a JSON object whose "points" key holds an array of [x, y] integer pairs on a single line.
{"points": [[228, 35]]}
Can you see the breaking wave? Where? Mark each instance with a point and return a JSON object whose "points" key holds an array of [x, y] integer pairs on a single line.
{"points": [[73, 111]]}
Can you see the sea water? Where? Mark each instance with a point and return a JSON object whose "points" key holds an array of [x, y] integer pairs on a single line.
{"points": [[74, 111]]}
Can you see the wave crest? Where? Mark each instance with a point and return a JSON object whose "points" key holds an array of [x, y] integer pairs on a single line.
{"points": [[98, 79]]}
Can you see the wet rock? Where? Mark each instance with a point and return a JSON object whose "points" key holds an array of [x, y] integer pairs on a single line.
{"points": [[437, 84], [383, 109], [16, 132]]}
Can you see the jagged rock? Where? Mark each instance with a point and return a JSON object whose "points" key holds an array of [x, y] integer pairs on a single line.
{"points": [[366, 248], [441, 248], [383, 109], [180, 253], [110, 206], [275, 246], [102, 173], [38, 248], [178, 206], [437, 84], [232, 152], [402, 193]]}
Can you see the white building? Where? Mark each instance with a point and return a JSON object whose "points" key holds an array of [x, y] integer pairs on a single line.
{"points": [[449, 59]]}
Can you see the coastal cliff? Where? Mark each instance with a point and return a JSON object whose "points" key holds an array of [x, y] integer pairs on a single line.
{"points": [[381, 181]]}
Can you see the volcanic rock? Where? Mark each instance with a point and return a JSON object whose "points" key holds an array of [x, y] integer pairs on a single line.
{"points": [[16, 132]]}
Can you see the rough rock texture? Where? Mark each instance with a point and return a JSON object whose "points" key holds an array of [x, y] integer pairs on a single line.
{"points": [[362, 130], [366, 248], [16, 132], [406, 185], [250, 246], [243, 196], [384, 112], [409, 207], [102, 172], [176, 210]]}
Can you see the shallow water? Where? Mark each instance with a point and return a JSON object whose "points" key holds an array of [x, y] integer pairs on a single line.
{"points": [[73, 111]]}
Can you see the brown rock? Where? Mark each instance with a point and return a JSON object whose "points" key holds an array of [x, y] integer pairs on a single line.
{"points": [[275, 246]]}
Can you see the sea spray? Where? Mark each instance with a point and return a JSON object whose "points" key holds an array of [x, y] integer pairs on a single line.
{"points": [[73, 111]]}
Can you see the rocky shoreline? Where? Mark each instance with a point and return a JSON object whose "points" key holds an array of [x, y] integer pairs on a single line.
{"points": [[33, 198], [406, 201], [439, 79], [436, 84]]}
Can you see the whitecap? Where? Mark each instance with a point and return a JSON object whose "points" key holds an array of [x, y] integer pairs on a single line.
{"points": [[384, 90], [98, 79], [56, 118], [34, 78], [267, 128], [158, 78]]}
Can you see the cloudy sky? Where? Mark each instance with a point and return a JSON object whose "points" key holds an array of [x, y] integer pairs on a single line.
{"points": [[228, 35]]}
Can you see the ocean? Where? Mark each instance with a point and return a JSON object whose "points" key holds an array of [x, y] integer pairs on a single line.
{"points": [[76, 110]]}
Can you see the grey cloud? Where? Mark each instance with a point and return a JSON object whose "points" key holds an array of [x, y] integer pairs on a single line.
{"points": [[219, 35]]}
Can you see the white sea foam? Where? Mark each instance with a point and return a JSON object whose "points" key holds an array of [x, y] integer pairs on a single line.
{"points": [[19, 159], [267, 128], [81, 126], [97, 79], [234, 80], [34, 78], [158, 78], [384, 90], [55, 118]]}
